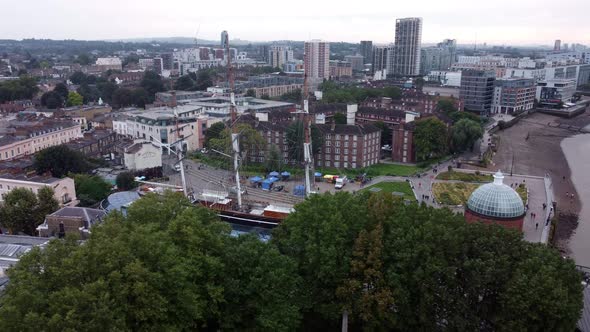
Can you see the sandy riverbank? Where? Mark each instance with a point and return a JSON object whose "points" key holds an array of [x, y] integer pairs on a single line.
{"points": [[540, 154]]}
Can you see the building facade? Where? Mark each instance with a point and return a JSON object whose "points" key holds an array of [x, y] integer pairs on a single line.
{"points": [[477, 90], [366, 50], [65, 191], [555, 92], [71, 220], [340, 69], [349, 146], [408, 41], [512, 96], [380, 56], [317, 59], [356, 61]]}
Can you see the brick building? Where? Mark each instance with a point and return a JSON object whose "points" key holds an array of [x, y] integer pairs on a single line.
{"points": [[75, 220]]}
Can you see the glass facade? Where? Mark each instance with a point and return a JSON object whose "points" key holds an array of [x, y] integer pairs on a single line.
{"points": [[497, 201]]}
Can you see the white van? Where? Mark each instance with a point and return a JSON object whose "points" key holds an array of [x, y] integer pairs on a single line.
{"points": [[340, 182]]}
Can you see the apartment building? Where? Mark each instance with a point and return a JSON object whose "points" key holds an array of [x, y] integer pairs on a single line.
{"points": [[513, 95], [65, 191]]}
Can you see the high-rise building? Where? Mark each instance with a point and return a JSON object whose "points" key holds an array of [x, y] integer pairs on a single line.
{"points": [[279, 55], [477, 90], [317, 59], [408, 40], [438, 58], [224, 39], [167, 61], [263, 53], [379, 61], [366, 50], [557, 46], [513, 95]]}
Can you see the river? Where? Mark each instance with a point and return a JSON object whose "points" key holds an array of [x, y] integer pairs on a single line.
{"points": [[577, 152]]}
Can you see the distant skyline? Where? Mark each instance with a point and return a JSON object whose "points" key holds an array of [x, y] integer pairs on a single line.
{"points": [[500, 22]]}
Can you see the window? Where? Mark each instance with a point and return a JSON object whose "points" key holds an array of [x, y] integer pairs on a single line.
{"points": [[337, 150], [328, 150]]}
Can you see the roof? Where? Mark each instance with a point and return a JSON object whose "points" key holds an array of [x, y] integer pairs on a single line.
{"points": [[34, 178], [496, 200], [343, 129], [88, 215]]}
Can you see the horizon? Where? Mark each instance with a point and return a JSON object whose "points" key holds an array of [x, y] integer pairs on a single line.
{"points": [[526, 23]]}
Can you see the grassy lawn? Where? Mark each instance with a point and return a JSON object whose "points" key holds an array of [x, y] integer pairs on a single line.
{"points": [[466, 177], [453, 193], [390, 187], [458, 193], [374, 170]]}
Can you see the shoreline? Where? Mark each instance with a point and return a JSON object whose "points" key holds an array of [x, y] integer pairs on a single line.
{"points": [[542, 153]]}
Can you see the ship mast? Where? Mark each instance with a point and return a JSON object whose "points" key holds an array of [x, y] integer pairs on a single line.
{"points": [[307, 152], [235, 134]]}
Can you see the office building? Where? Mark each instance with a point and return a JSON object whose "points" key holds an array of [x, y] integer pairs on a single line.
{"points": [[366, 50], [356, 61], [477, 90], [380, 56], [224, 39], [438, 58], [557, 46], [512, 96], [317, 60], [555, 92], [408, 40]]}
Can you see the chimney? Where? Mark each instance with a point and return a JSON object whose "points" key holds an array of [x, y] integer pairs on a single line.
{"points": [[351, 114], [333, 126], [410, 116], [173, 99]]}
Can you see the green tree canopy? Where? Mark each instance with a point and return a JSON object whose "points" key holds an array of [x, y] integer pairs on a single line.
{"points": [[430, 139], [60, 160], [75, 99], [339, 118], [401, 267], [23, 88], [52, 100], [248, 138], [125, 181], [184, 83], [214, 132], [184, 272], [152, 83], [91, 189], [465, 133], [23, 210], [296, 138], [274, 159], [62, 89]]}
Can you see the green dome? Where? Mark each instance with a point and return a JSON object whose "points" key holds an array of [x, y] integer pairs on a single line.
{"points": [[496, 200]]}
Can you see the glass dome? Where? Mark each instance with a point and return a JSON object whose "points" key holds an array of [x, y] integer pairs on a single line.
{"points": [[496, 200]]}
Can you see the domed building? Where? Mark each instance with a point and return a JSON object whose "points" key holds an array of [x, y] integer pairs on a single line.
{"points": [[496, 203]]}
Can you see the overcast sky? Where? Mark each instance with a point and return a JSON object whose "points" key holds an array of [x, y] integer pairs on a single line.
{"points": [[495, 22]]}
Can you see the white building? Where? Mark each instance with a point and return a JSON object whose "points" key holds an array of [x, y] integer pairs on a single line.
{"points": [[110, 63], [445, 78], [556, 91], [65, 191], [141, 155]]}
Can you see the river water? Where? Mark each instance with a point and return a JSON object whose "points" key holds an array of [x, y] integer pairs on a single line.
{"points": [[577, 152]]}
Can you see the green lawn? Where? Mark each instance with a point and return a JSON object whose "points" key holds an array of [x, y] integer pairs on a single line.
{"points": [[373, 171], [390, 187], [466, 177], [521, 190]]}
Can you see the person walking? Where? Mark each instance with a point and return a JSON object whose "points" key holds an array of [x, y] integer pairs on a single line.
{"points": [[536, 225]]}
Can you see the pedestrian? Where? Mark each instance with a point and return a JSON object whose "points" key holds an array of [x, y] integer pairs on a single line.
{"points": [[537, 226], [572, 195], [547, 223], [567, 194], [564, 178], [532, 215], [544, 206], [419, 184]]}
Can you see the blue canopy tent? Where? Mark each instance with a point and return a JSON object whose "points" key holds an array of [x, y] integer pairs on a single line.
{"points": [[267, 184], [273, 179], [318, 176], [285, 175], [255, 179], [299, 190], [274, 174]]}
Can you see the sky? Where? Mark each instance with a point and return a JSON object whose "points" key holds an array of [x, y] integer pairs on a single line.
{"points": [[498, 22]]}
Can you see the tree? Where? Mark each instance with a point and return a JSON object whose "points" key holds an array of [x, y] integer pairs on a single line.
{"points": [[122, 97], [62, 89], [251, 93], [386, 136], [214, 132], [47, 204], [248, 138], [296, 138], [78, 77], [23, 88], [60, 160], [446, 105], [18, 210], [403, 267], [152, 83], [184, 83], [167, 265], [91, 189], [88, 93], [107, 89], [430, 139], [273, 160], [52, 100], [339, 118], [84, 59], [75, 99], [204, 79], [464, 134], [139, 97], [125, 181], [419, 82]]}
